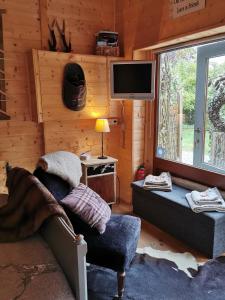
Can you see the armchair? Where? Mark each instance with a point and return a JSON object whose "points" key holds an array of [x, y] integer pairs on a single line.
{"points": [[113, 249]]}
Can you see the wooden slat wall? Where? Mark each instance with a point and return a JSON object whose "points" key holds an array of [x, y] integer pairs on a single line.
{"points": [[83, 20], [21, 33], [76, 136], [65, 129], [22, 139], [150, 22], [51, 67], [21, 143]]}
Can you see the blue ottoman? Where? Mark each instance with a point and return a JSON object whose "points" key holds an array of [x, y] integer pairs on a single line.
{"points": [[170, 211], [115, 248]]}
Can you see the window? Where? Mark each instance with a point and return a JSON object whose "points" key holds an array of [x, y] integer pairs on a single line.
{"points": [[191, 108]]}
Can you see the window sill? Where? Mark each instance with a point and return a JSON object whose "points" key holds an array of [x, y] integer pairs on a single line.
{"points": [[189, 172]]}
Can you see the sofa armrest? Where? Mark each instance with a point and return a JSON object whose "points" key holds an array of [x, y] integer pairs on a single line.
{"points": [[70, 251]]}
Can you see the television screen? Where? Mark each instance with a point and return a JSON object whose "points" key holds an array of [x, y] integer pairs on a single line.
{"points": [[132, 80]]}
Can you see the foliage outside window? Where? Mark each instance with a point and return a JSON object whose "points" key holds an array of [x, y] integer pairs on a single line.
{"points": [[191, 109]]}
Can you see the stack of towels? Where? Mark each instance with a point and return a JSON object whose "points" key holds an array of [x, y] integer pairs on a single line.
{"points": [[209, 200], [161, 182]]}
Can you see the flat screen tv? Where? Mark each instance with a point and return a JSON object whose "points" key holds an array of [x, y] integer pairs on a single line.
{"points": [[132, 80]]}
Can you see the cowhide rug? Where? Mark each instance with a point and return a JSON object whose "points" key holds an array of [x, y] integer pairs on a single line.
{"points": [[161, 275]]}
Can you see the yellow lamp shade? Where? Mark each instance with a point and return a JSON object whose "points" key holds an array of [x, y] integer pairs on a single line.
{"points": [[102, 125]]}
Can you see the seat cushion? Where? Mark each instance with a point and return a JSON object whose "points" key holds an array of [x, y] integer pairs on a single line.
{"points": [[116, 247]]}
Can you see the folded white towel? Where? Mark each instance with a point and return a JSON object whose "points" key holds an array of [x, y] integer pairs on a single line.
{"points": [[216, 205], [162, 182], [156, 180], [208, 195], [64, 164]]}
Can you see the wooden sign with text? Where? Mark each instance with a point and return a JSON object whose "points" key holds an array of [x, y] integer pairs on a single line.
{"points": [[183, 7]]}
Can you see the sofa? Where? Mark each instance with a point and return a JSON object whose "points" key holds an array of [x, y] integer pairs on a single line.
{"points": [[24, 255]]}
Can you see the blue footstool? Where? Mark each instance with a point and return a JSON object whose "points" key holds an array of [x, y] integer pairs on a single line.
{"points": [[115, 248]]}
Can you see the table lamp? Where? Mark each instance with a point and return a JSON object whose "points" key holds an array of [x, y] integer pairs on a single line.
{"points": [[102, 125]]}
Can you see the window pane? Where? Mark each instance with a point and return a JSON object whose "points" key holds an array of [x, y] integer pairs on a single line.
{"points": [[177, 86], [214, 145], [191, 110]]}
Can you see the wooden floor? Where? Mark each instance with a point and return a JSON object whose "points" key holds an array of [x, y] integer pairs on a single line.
{"points": [[158, 239]]}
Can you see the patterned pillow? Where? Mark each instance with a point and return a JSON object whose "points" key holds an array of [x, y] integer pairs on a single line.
{"points": [[89, 206]]}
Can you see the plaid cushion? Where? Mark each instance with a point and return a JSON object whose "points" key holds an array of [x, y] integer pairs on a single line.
{"points": [[89, 206]]}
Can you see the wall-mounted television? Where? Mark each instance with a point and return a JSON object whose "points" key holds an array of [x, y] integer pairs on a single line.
{"points": [[132, 80]]}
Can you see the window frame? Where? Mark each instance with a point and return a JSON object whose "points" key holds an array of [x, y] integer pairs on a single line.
{"points": [[196, 174]]}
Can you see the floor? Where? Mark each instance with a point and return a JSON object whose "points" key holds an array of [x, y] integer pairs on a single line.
{"points": [[158, 239]]}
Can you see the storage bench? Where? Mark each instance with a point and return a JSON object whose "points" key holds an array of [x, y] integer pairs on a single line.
{"points": [[170, 211]]}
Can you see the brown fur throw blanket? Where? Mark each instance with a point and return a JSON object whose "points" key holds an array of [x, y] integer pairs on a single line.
{"points": [[29, 205]]}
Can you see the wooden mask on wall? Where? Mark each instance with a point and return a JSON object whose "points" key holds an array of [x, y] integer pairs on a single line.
{"points": [[74, 87]]}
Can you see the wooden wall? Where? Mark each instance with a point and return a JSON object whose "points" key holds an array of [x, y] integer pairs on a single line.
{"points": [[65, 129], [22, 138], [150, 22]]}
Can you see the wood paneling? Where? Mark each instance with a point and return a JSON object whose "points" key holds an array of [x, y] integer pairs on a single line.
{"points": [[21, 139], [65, 129], [83, 19], [73, 135], [150, 22], [21, 33], [20, 143], [44, 23], [49, 68]]}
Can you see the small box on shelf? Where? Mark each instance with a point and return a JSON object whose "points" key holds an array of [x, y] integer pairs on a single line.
{"points": [[107, 43], [108, 50]]}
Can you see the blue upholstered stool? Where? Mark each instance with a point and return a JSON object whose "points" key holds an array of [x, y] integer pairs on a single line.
{"points": [[115, 248]]}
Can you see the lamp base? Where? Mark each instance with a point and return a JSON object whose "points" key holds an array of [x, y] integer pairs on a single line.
{"points": [[102, 157]]}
